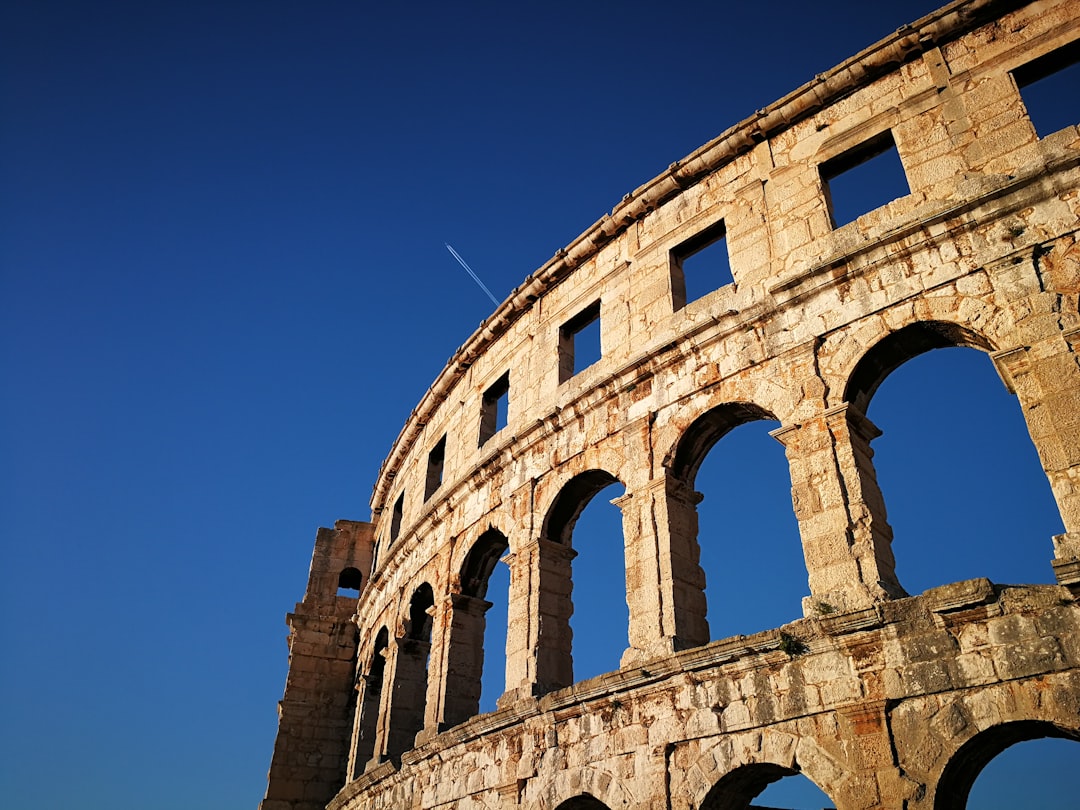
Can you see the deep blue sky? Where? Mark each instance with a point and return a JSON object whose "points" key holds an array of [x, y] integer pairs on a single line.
{"points": [[224, 288]]}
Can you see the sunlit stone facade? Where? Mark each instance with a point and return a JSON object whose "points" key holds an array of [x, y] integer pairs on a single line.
{"points": [[882, 698]]}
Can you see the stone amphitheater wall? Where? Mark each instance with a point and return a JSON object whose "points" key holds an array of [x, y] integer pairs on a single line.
{"points": [[886, 699]]}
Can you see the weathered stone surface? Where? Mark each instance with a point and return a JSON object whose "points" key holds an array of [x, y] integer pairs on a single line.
{"points": [[882, 699]]}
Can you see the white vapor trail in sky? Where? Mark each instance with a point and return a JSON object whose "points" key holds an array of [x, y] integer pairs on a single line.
{"points": [[468, 270]]}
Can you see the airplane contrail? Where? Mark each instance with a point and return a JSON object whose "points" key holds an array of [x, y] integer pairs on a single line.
{"points": [[468, 270]]}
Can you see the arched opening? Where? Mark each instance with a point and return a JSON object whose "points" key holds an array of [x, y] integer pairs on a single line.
{"points": [[350, 582], [469, 655], [496, 625], [955, 464], [582, 802], [765, 785], [796, 792], [409, 698], [1028, 763], [368, 720], [745, 534], [583, 633]]}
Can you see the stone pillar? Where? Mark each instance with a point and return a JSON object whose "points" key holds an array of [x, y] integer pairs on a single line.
{"points": [[1046, 379], [873, 780], [665, 585], [408, 696], [434, 674], [538, 654], [367, 716], [382, 714], [847, 541], [315, 716], [464, 659]]}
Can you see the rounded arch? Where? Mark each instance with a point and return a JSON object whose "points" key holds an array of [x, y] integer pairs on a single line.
{"points": [[737, 789], [475, 649], [730, 773], [350, 579], [581, 789], [382, 641], [417, 622], [583, 802], [968, 761], [698, 439], [480, 561], [370, 680], [571, 502], [896, 348]]}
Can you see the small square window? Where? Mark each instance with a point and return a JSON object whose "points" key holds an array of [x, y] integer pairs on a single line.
{"points": [[435, 467], [862, 179], [579, 342], [493, 409], [1050, 88], [700, 265]]}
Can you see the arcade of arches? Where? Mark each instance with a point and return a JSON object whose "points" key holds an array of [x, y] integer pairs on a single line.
{"points": [[880, 693]]}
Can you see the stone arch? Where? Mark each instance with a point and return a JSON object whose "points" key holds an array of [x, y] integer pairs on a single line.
{"points": [[350, 579], [462, 682], [693, 445], [571, 501], [582, 802], [371, 678], [480, 560], [582, 789], [984, 326], [729, 774], [553, 552], [741, 786], [896, 348], [969, 759], [408, 698], [682, 462], [886, 356], [417, 621]]}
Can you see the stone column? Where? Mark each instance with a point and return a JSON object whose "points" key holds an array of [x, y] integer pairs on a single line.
{"points": [[464, 659], [367, 717], [665, 585], [1046, 379], [538, 653], [847, 541], [382, 714], [408, 693]]}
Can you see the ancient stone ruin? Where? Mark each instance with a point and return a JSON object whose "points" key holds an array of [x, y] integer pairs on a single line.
{"points": [[884, 699]]}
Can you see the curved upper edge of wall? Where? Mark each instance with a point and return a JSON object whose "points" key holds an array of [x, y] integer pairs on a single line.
{"points": [[906, 43]]}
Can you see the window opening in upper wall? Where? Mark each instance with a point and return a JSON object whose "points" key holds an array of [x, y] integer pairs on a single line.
{"points": [[435, 467], [395, 518], [579, 342], [700, 265], [349, 582], [493, 409], [862, 179], [1050, 87]]}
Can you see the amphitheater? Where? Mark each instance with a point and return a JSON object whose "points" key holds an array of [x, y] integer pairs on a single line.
{"points": [[880, 697]]}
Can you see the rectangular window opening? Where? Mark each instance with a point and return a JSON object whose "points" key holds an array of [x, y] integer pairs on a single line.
{"points": [[395, 518], [579, 342], [493, 409], [863, 179], [700, 265], [1050, 88], [435, 467]]}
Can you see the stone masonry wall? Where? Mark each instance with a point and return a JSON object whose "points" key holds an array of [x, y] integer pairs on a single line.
{"points": [[883, 699]]}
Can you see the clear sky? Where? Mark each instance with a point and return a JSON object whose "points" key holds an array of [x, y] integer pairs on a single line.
{"points": [[224, 288]]}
